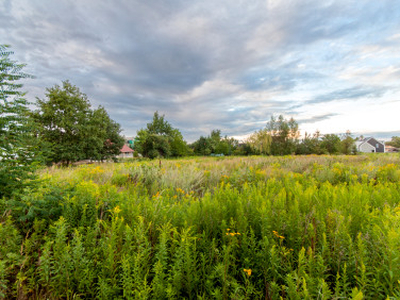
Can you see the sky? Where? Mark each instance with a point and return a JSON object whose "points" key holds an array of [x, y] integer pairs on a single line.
{"points": [[217, 64]]}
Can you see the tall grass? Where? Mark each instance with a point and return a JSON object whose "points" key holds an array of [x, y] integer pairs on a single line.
{"points": [[312, 227]]}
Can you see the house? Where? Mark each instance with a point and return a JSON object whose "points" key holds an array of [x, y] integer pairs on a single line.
{"points": [[391, 149], [126, 152], [370, 144]]}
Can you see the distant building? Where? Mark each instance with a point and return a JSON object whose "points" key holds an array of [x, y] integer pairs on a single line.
{"points": [[391, 149], [130, 141], [126, 152], [370, 144]]}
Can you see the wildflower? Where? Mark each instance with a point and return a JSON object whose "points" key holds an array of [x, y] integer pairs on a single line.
{"points": [[117, 210], [247, 271], [233, 233], [179, 190]]}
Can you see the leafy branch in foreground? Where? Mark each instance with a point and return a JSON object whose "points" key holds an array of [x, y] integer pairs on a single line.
{"points": [[17, 152]]}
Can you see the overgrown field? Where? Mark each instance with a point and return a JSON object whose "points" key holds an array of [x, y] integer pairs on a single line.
{"points": [[310, 227]]}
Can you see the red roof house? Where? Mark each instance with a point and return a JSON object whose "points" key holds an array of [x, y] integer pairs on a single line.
{"points": [[126, 152]]}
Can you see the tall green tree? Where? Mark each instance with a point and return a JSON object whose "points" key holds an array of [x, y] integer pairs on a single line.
{"points": [[160, 139], [310, 144], [284, 135], [202, 146], [331, 143], [75, 132], [215, 144], [260, 142], [18, 153], [347, 144], [109, 132]]}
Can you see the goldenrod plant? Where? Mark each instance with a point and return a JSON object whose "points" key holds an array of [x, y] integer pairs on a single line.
{"points": [[289, 227]]}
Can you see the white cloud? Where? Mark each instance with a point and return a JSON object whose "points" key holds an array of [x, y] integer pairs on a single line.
{"points": [[208, 65]]}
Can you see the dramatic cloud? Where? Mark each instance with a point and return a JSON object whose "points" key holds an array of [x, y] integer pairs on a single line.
{"points": [[229, 65]]}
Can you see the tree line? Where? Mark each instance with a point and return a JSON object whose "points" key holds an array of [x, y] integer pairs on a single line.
{"points": [[64, 128], [280, 136]]}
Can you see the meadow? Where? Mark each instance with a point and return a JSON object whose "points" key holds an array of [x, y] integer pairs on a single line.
{"points": [[291, 227]]}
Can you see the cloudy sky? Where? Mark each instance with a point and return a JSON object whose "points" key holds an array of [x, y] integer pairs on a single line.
{"points": [[218, 64]]}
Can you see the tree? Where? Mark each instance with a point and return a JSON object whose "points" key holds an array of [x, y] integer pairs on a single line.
{"points": [[394, 142], [159, 125], [178, 145], [347, 144], [311, 144], [110, 135], [160, 139], [18, 153], [260, 142], [214, 143], [202, 146], [284, 135], [331, 143], [66, 121]]}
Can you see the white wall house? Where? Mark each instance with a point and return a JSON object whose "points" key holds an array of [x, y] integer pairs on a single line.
{"points": [[370, 144]]}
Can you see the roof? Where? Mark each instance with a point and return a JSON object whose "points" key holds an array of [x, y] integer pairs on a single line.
{"points": [[366, 140], [126, 149]]}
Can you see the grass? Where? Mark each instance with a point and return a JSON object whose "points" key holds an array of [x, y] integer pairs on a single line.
{"points": [[305, 227]]}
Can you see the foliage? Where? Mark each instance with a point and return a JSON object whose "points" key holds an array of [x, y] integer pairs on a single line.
{"points": [[347, 144], [111, 135], [284, 135], [311, 144], [304, 227], [18, 151], [160, 139], [73, 130], [331, 143], [215, 144], [260, 142], [394, 142]]}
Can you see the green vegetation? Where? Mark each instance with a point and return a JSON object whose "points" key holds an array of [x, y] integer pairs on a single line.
{"points": [[214, 144], [279, 137], [286, 227], [284, 134], [71, 130], [304, 227], [18, 152], [394, 142], [160, 139]]}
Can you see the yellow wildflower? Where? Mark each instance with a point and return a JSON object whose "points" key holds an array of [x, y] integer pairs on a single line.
{"points": [[117, 210], [247, 271]]}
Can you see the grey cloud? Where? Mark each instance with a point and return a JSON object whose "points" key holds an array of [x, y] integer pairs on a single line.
{"points": [[386, 135], [135, 57], [315, 119], [352, 93]]}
